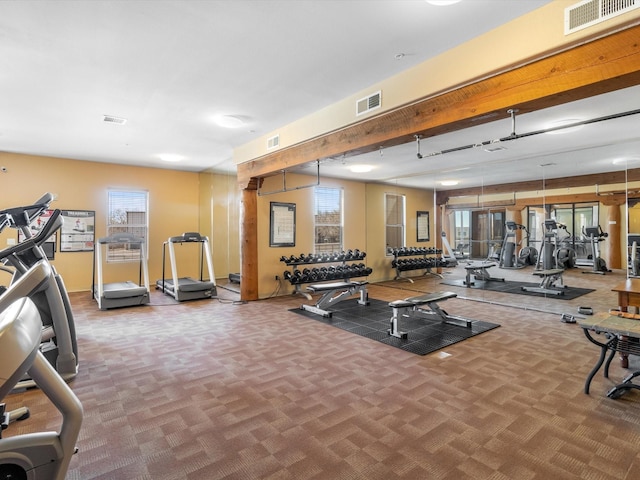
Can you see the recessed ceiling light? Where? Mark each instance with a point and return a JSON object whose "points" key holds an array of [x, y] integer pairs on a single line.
{"points": [[360, 168], [442, 3], [449, 183], [170, 157], [229, 121]]}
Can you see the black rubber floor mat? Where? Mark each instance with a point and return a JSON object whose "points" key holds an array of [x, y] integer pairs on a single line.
{"points": [[372, 321], [568, 293]]}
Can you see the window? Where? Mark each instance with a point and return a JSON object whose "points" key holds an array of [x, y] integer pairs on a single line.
{"points": [[127, 213], [328, 219], [395, 220]]}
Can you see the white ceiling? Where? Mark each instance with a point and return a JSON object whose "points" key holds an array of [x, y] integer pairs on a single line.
{"points": [[171, 67]]}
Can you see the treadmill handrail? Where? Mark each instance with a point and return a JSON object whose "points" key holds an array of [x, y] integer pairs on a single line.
{"points": [[121, 238], [187, 237]]}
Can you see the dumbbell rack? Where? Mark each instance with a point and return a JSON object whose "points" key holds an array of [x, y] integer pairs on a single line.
{"points": [[343, 271], [420, 260]]}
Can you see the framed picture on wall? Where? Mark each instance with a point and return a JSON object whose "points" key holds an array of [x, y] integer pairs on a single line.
{"points": [[78, 231], [283, 225], [423, 226]]}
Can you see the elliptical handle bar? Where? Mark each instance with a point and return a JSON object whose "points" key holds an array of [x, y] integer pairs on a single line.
{"points": [[18, 217]]}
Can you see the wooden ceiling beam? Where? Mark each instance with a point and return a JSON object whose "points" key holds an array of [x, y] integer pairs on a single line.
{"points": [[602, 65], [610, 178]]}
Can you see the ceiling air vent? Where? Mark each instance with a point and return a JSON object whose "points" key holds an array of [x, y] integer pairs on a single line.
{"points": [[366, 104], [112, 119], [591, 12], [273, 142]]}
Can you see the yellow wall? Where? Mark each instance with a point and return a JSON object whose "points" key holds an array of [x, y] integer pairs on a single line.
{"points": [[364, 226], [79, 185], [416, 200]]}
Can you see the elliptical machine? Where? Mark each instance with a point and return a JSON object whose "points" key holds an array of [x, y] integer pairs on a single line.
{"points": [[595, 236], [509, 257], [41, 455], [555, 253], [59, 337]]}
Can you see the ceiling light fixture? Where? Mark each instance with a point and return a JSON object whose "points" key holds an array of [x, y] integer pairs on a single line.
{"points": [[360, 168], [170, 157], [229, 121], [442, 3], [449, 183]]}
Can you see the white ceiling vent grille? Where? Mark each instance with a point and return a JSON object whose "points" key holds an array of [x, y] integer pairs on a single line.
{"points": [[273, 142], [112, 119], [591, 12], [366, 104]]}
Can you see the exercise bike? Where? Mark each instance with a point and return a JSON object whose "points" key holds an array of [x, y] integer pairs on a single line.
{"points": [[41, 455], [595, 235], [509, 257]]}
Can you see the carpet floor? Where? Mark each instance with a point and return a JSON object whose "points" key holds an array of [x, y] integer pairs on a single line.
{"points": [[424, 335]]}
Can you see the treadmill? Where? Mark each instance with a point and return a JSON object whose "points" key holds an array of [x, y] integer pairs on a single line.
{"points": [[121, 294], [188, 288]]}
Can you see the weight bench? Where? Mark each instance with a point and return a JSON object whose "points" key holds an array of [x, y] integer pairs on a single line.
{"points": [[331, 295], [426, 305], [547, 282], [480, 271]]}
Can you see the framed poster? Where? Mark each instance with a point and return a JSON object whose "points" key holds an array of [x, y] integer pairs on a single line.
{"points": [[35, 226], [78, 231], [423, 226], [283, 225]]}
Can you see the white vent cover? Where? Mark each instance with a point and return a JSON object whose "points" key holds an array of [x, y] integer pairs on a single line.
{"points": [[273, 142], [366, 104], [112, 119], [591, 12]]}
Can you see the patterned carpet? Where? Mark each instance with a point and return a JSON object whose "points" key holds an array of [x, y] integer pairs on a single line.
{"points": [[220, 390], [424, 335]]}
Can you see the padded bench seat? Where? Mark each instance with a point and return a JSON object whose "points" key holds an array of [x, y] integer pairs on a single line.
{"points": [[548, 278], [335, 293], [425, 305], [480, 271]]}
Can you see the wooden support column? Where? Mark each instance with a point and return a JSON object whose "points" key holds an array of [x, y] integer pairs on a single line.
{"points": [[613, 228], [249, 244], [514, 214]]}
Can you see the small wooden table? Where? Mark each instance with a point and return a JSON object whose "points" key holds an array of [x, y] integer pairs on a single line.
{"points": [[628, 293], [628, 296], [620, 335]]}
